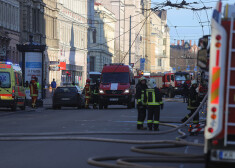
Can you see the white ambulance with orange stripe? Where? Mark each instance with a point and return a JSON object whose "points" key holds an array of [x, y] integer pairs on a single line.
{"points": [[220, 125], [12, 92]]}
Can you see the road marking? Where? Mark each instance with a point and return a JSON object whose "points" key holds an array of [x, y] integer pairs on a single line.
{"points": [[185, 151]]}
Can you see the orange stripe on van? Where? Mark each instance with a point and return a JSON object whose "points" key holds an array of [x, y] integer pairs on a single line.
{"points": [[5, 94], [215, 85]]}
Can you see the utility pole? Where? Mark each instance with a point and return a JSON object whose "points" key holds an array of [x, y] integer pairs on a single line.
{"points": [[130, 43]]}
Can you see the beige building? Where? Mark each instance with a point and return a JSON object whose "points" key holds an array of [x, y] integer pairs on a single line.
{"points": [[101, 50], [160, 43], [66, 32]]}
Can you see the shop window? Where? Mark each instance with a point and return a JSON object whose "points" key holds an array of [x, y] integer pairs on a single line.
{"points": [[92, 63]]}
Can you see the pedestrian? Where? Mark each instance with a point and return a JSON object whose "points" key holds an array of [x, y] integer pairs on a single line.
{"points": [[96, 94], [73, 83], [87, 93], [154, 103], [33, 90], [141, 97], [193, 103], [185, 92], [53, 86]]}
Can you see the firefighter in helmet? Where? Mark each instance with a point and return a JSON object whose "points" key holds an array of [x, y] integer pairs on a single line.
{"points": [[193, 103], [154, 103], [33, 90], [141, 97], [87, 93], [96, 94]]}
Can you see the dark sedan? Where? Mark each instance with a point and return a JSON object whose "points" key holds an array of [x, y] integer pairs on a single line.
{"points": [[68, 96]]}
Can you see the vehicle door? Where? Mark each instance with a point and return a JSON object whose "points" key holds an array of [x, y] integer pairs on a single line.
{"points": [[19, 89], [172, 82]]}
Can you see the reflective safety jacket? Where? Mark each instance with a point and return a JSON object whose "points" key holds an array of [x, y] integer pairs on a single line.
{"points": [[88, 91], [141, 95], [193, 102], [154, 97], [33, 88]]}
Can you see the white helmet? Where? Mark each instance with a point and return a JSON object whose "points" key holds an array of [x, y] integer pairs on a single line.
{"points": [[152, 83]]}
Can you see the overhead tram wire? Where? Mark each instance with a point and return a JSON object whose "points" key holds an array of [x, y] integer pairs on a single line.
{"points": [[206, 16], [112, 38]]}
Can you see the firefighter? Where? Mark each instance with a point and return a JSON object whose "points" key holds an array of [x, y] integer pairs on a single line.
{"points": [[141, 97], [154, 103], [87, 93], [95, 94], [193, 103], [33, 90]]}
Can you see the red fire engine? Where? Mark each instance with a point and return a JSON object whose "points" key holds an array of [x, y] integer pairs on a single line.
{"points": [[117, 86], [220, 125], [170, 83]]}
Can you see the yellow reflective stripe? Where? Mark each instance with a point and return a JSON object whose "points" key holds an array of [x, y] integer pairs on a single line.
{"points": [[161, 102], [139, 122], [196, 122], [87, 96], [149, 121], [139, 100], [154, 104], [156, 122], [33, 95]]}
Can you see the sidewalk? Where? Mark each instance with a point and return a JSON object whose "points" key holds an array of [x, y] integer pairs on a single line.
{"points": [[47, 102]]}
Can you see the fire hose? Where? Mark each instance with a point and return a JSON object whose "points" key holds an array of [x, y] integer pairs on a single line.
{"points": [[125, 161]]}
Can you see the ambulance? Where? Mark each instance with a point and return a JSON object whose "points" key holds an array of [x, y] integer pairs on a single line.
{"points": [[12, 92]]}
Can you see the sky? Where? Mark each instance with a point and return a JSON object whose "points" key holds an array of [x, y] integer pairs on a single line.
{"points": [[184, 23]]}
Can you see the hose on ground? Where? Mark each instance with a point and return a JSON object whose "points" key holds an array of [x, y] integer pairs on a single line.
{"points": [[121, 161]]}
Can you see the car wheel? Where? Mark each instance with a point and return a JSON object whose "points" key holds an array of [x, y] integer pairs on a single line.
{"points": [[23, 107], [133, 104], [129, 105], [101, 106], [13, 107]]}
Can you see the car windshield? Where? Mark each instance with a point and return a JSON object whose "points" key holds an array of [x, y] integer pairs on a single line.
{"points": [[182, 77], [116, 77], [5, 80], [66, 90]]}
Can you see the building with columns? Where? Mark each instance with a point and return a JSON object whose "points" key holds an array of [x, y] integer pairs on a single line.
{"points": [[101, 48], [9, 30], [160, 42], [66, 39]]}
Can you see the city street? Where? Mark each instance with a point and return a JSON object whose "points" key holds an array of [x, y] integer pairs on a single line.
{"points": [[75, 153]]}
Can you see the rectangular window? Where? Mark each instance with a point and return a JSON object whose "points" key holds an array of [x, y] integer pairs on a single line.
{"points": [[5, 80], [159, 62], [164, 52], [164, 41], [28, 18], [94, 36], [18, 79], [34, 20], [92, 63]]}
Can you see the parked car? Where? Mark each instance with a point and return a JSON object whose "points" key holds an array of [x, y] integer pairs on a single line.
{"points": [[68, 96]]}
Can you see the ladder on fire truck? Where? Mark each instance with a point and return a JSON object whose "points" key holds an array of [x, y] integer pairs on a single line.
{"points": [[229, 87]]}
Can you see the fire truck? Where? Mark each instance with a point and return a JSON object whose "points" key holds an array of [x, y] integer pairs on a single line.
{"points": [[169, 83], [117, 86], [220, 125]]}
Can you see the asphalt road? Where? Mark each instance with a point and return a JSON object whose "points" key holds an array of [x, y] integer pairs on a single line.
{"points": [[75, 153]]}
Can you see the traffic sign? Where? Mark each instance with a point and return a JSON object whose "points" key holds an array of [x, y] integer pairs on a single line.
{"points": [[142, 64]]}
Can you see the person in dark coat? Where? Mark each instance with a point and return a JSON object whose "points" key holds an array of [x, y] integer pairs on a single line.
{"points": [[185, 92], [141, 97], [193, 103]]}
